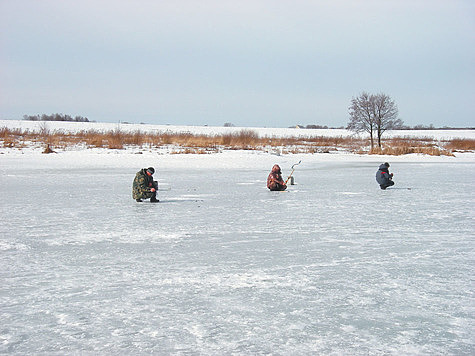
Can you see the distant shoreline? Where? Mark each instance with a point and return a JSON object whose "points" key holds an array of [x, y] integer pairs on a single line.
{"points": [[57, 136]]}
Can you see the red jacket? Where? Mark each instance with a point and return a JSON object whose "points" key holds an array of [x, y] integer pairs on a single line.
{"points": [[274, 180]]}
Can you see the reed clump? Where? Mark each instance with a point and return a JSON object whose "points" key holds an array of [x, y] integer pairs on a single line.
{"points": [[460, 144], [398, 146], [399, 151]]}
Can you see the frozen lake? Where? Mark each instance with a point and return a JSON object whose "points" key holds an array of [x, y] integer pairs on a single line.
{"points": [[223, 266]]}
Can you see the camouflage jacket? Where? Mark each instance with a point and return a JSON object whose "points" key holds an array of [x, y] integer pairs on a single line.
{"points": [[143, 183]]}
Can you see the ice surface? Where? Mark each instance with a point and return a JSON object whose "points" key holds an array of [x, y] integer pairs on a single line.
{"points": [[223, 266]]}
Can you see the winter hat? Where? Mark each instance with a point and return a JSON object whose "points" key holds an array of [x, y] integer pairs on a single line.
{"points": [[151, 170], [386, 164]]}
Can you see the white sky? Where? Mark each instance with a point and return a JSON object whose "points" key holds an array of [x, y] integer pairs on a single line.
{"points": [[252, 63]]}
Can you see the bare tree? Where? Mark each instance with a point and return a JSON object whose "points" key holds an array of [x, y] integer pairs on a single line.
{"points": [[385, 115], [373, 113], [361, 115]]}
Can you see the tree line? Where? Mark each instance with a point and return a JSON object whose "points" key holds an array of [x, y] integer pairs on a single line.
{"points": [[55, 117]]}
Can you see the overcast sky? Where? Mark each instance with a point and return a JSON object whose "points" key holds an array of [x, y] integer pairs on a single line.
{"points": [[272, 63]]}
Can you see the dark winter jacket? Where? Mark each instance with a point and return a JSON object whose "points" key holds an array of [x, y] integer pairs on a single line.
{"points": [[274, 180], [383, 177], [143, 183]]}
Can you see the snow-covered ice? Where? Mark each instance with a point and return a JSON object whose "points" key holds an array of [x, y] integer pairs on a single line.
{"points": [[223, 266]]}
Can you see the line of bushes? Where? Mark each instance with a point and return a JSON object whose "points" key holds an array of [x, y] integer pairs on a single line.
{"points": [[245, 139]]}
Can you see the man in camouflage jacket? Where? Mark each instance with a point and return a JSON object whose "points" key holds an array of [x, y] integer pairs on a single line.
{"points": [[144, 187]]}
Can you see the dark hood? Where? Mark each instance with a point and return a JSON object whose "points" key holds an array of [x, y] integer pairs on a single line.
{"points": [[383, 168]]}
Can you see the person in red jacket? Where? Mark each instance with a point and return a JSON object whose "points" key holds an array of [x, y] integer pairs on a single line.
{"points": [[383, 177], [274, 180]]}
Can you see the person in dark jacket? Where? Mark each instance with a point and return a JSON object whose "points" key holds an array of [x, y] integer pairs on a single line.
{"points": [[144, 187], [274, 180], [383, 177]]}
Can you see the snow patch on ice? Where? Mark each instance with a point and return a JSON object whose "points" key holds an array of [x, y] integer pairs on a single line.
{"points": [[8, 245]]}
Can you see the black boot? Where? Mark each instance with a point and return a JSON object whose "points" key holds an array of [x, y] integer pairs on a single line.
{"points": [[154, 199], [138, 200]]}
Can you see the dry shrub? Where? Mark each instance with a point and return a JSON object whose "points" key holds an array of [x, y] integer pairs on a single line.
{"points": [[115, 140], [247, 136], [225, 140], [288, 141], [95, 141], [5, 132], [404, 150], [115, 145], [155, 140], [460, 144], [244, 139], [57, 139], [403, 145], [166, 138], [329, 140], [48, 150], [91, 138], [136, 138], [190, 140]]}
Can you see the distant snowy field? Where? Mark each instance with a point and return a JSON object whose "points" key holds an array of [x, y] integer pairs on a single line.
{"points": [[215, 130], [223, 266]]}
